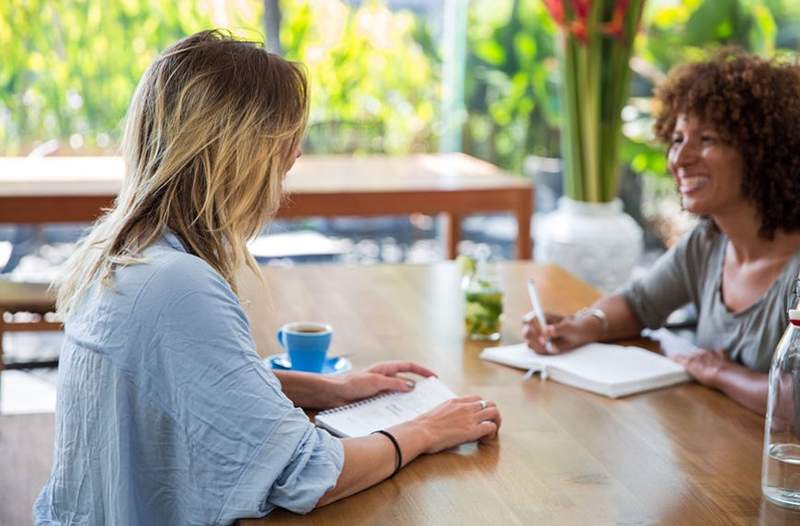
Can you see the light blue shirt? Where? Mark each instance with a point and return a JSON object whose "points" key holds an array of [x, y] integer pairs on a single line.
{"points": [[166, 414]]}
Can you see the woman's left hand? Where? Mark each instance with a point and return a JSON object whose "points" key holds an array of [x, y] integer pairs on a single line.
{"points": [[704, 366], [379, 378]]}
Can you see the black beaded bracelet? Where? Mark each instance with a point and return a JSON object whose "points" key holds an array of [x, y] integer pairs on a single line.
{"points": [[396, 445]]}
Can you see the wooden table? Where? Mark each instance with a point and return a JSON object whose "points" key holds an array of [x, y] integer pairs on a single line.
{"points": [[74, 189], [684, 455]]}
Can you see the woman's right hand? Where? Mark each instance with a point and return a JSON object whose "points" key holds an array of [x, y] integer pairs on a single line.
{"points": [[563, 333], [370, 459], [459, 420]]}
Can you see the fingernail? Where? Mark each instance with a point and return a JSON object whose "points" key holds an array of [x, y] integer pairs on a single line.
{"points": [[410, 384]]}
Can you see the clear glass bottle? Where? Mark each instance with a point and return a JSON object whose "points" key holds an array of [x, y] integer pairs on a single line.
{"points": [[780, 471], [483, 296]]}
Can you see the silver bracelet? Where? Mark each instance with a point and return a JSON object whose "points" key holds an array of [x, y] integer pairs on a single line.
{"points": [[595, 313]]}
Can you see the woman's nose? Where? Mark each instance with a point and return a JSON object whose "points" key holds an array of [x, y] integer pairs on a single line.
{"points": [[684, 154]]}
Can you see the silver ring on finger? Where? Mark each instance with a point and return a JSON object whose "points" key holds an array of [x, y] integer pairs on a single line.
{"points": [[484, 404]]}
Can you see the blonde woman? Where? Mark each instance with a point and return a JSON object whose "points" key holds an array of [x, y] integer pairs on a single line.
{"points": [[166, 415]]}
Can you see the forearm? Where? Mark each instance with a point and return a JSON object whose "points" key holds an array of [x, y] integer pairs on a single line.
{"points": [[313, 391], [622, 323], [371, 459], [747, 387]]}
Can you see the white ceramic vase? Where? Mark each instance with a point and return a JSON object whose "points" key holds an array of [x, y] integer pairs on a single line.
{"points": [[597, 242]]}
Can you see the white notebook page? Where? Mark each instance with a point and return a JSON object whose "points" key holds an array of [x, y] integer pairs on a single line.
{"points": [[362, 418], [612, 370]]}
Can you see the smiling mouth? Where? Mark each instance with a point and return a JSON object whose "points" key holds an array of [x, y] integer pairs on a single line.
{"points": [[687, 185]]}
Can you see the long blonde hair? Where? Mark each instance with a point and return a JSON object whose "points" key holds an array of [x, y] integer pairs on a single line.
{"points": [[212, 129]]}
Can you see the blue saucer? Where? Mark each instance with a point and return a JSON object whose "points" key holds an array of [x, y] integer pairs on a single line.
{"points": [[333, 364]]}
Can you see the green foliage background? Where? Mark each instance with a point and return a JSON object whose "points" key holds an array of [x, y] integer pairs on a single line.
{"points": [[367, 65], [511, 86], [69, 67]]}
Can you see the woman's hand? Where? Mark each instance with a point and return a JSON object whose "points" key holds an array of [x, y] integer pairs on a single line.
{"points": [[563, 332], [370, 459], [377, 379], [703, 365], [459, 420]]}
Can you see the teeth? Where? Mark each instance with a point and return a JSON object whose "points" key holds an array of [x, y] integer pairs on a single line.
{"points": [[689, 184]]}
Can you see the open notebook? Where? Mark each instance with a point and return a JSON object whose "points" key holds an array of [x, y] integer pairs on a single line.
{"points": [[387, 410], [610, 370]]}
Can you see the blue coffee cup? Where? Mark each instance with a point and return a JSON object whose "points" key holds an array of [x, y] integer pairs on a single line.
{"points": [[307, 344]]}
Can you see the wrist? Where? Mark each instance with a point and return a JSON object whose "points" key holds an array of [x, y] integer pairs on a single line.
{"points": [[334, 390], [595, 322], [415, 438], [717, 374]]}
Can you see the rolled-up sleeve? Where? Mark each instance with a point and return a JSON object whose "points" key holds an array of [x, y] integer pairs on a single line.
{"points": [[313, 470], [312, 461], [250, 449]]}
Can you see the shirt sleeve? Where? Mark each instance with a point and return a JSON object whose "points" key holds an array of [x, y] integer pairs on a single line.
{"points": [[251, 449], [669, 284]]}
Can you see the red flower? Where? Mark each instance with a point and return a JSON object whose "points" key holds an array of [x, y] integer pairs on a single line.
{"points": [[582, 8], [615, 26], [579, 24], [578, 28], [556, 9]]}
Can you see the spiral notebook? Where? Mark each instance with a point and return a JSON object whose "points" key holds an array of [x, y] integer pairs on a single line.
{"points": [[387, 410], [609, 370]]}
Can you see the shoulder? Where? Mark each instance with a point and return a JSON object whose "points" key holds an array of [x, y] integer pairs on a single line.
{"points": [[704, 236], [791, 282], [700, 244], [168, 277], [178, 273]]}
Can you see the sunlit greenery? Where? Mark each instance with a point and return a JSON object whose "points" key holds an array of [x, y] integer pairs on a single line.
{"points": [[68, 67], [367, 65], [511, 86]]}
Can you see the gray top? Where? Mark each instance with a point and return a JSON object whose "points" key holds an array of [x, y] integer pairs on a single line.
{"points": [[691, 272]]}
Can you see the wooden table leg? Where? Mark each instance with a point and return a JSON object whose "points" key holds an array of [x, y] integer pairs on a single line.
{"points": [[453, 234], [524, 213]]}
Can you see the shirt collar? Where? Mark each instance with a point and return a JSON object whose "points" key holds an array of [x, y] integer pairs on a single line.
{"points": [[174, 240]]}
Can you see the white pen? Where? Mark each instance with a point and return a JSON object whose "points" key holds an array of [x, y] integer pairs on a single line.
{"points": [[539, 313]]}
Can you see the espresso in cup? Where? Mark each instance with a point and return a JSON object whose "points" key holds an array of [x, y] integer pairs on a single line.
{"points": [[306, 343], [310, 330]]}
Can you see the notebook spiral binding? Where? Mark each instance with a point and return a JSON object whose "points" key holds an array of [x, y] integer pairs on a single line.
{"points": [[353, 405]]}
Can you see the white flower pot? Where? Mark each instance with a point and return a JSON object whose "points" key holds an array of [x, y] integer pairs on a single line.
{"points": [[597, 242]]}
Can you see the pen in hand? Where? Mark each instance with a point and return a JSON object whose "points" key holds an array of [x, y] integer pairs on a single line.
{"points": [[539, 313]]}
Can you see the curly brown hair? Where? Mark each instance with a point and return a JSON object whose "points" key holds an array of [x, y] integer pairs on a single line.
{"points": [[754, 104]]}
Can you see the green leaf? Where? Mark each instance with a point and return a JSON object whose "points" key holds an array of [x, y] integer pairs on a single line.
{"points": [[709, 20], [526, 47], [764, 31], [491, 51]]}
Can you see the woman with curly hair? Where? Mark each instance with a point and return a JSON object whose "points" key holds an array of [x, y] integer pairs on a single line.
{"points": [[732, 128]]}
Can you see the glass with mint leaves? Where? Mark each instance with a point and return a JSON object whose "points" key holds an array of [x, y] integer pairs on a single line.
{"points": [[483, 295]]}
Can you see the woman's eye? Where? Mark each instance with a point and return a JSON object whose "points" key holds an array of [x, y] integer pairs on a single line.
{"points": [[708, 138], [676, 139]]}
